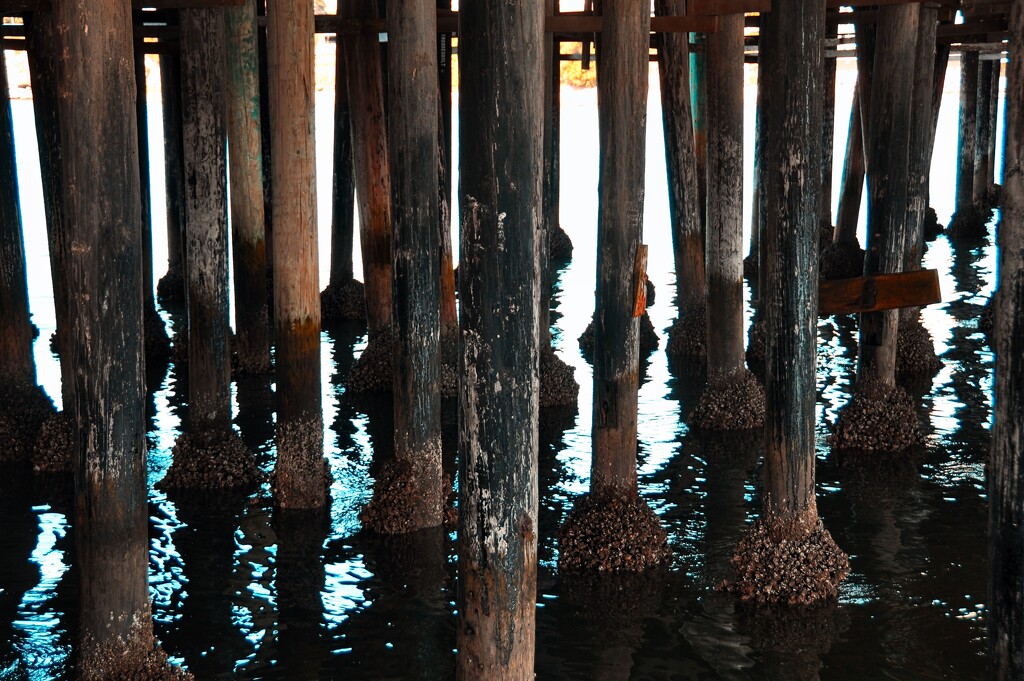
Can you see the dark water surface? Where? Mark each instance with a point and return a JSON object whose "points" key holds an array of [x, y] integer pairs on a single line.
{"points": [[236, 596]]}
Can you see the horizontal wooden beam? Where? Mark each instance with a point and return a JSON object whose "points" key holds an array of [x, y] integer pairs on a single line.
{"points": [[879, 292], [8, 7]]}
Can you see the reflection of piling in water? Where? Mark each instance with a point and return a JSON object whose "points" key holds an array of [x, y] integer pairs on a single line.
{"points": [[300, 582], [1006, 496]]}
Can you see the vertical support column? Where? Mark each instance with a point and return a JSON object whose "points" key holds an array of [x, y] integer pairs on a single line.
{"points": [[852, 187], [984, 133], [370, 154], [248, 223], [968, 131], [343, 194], [408, 493], [300, 477], [888, 156], [724, 258], [768, 567], [206, 238], [699, 101], [449, 309], [171, 288], [681, 162], [993, 120], [828, 128], [17, 368], [100, 160], [920, 136], [1006, 486], [501, 161]]}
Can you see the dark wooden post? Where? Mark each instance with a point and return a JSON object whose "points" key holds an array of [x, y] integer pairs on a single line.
{"points": [[370, 154], [172, 286], [852, 187], [1006, 486], [699, 101], [681, 162], [828, 128], [724, 258], [408, 495], [301, 475], [794, 49], [983, 134], [248, 223], [100, 160], [449, 309], [968, 130], [206, 238], [17, 367], [993, 122], [920, 136], [343, 194], [501, 160], [887, 146]]}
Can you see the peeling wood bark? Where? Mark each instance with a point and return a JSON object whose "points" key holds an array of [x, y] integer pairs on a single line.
{"points": [[724, 257], [101, 172], [206, 237], [300, 474], [370, 153], [681, 162], [16, 363], [1005, 603], [920, 137], [501, 161], [415, 287], [343, 188], [968, 130], [888, 157], [794, 51], [248, 223]]}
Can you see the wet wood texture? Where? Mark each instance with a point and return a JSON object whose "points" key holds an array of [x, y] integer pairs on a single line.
{"points": [[622, 117], [887, 145], [370, 154], [206, 237], [415, 288], [984, 132], [300, 467], [681, 162], [794, 53], [1005, 604], [16, 363], [343, 188], [174, 154], [968, 130], [724, 238], [248, 223], [879, 292], [96, 97], [501, 160], [919, 166]]}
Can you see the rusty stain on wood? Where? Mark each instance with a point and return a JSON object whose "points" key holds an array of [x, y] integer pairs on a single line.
{"points": [[639, 281], [879, 292]]}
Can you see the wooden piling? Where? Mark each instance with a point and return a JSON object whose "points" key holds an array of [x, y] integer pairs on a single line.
{"points": [[887, 145], [172, 287], [852, 186], [501, 162], [17, 367], [724, 237], [415, 287], [828, 128], [681, 161], [1005, 601], [968, 130], [984, 133], [343, 188], [248, 223], [919, 166], [445, 67], [206, 237], [301, 476], [993, 123], [370, 154], [699, 102], [100, 160]]}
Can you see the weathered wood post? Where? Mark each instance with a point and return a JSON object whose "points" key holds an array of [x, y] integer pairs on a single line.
{"points": [[852, 186], [699, 101], [1006, 487], [157, 344], [983, 135], [968, 132], [301, 477], [636, 533], [449, 309], [209, 454], [248, 223], [878, 405], [766, 563], [171, 288], [681, 166], [993, 122], [919, 167], [100, 160], [501, 167], [408, 493], [828, 128], [370, 155], [344, 297], [22, 402], [724, 239]]}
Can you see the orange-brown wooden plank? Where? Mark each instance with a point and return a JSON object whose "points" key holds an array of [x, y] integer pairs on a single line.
{"points": [[879, 292]]}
